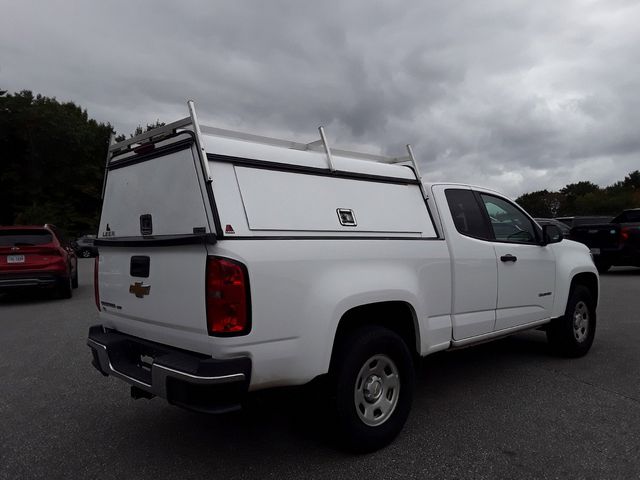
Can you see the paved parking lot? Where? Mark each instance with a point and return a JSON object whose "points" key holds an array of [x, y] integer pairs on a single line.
{"points": [[502, 410]]}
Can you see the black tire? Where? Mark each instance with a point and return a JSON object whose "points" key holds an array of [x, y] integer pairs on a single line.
{"points": [[601, 266], [371, 350], [65, 290], [74, 280], [572, 334]]}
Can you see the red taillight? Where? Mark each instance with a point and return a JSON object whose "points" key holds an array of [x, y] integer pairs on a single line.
{"points": [[624, 234], [227, 294], [96, 288]]}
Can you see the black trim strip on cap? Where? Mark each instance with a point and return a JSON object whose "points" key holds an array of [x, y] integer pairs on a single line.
{"points": [[156, 240], [322, 172]]}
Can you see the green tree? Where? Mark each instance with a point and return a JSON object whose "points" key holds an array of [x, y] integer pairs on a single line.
{"points": [[585, 198], [571, 193], [542, 203], [52, 162], [139, 130], [632, 181], [579, 189]]}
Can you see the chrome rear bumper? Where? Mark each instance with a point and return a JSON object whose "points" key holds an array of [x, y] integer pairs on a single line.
{"points": [[187, 379]]}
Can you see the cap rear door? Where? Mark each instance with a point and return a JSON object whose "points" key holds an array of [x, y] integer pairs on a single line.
{"points": [[156, 221]]}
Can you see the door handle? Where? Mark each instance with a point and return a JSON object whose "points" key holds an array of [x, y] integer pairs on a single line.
{"points": [[508, 258]]}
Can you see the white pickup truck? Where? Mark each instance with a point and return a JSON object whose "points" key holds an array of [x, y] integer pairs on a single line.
{"points": [[231, 263]]}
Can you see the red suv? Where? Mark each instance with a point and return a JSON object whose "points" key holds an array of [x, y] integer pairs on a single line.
{"points": [[37, 256]]}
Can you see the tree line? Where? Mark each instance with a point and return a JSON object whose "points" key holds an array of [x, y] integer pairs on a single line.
{"points": [[584, 198], [51, 163]]}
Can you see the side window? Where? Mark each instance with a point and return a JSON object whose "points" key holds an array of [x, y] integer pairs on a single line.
{"points": [[627, 217], [633, 216], [466, 213], [508, 222]]}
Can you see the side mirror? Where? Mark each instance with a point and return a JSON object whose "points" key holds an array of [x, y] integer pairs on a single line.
{"points": [[551, 234]]}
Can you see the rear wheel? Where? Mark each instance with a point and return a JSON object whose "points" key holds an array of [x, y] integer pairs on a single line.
{"points": [[74, 280], [572, 335], [373, 381], [85, 253], [65, 290]]}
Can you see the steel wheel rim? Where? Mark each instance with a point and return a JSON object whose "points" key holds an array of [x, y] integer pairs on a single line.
{"points": [[86, 254], [377, 390], [581, 322]]}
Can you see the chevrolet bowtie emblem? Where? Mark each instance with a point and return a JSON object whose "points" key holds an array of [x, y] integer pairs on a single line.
{"points": [[139, 290]]}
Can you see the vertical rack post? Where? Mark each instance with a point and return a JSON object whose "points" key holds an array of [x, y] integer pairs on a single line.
{"points": [[202, 152], [416, 169], [106, 164], [327, 149]]}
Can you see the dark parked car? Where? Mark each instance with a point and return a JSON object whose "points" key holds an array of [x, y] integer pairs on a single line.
{"points": [[37, 256], [583, 220], [614, 243], [85, 248]]}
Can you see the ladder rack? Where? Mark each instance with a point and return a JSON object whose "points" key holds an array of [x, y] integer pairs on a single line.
{"points": [[320, 145]]}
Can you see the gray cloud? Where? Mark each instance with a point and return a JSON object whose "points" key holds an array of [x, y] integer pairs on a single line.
{"points": [[516, 96]]}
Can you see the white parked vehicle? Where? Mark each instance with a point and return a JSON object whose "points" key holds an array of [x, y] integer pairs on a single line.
{"points": [[231, 263]]}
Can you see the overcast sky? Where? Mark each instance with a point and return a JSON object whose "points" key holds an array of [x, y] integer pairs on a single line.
{"points": [[514, 95]]}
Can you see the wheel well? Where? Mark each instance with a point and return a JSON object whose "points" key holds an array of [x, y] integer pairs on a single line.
{"points": [[588, 280], [398, 317]]}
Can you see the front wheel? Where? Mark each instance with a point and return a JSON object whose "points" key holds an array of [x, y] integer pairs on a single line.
{"points": [[602, 266], [85, 253], [374, 381], [572, 334]]}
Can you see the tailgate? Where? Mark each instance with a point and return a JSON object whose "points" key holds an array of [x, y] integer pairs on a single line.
{"points": [[597, 236], [154, 227]]}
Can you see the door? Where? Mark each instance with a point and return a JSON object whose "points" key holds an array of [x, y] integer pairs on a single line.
{"points": [[526, 270], [473, 258]]}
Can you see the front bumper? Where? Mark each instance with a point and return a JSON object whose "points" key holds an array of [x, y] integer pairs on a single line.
{"points": [[187, 379]]}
